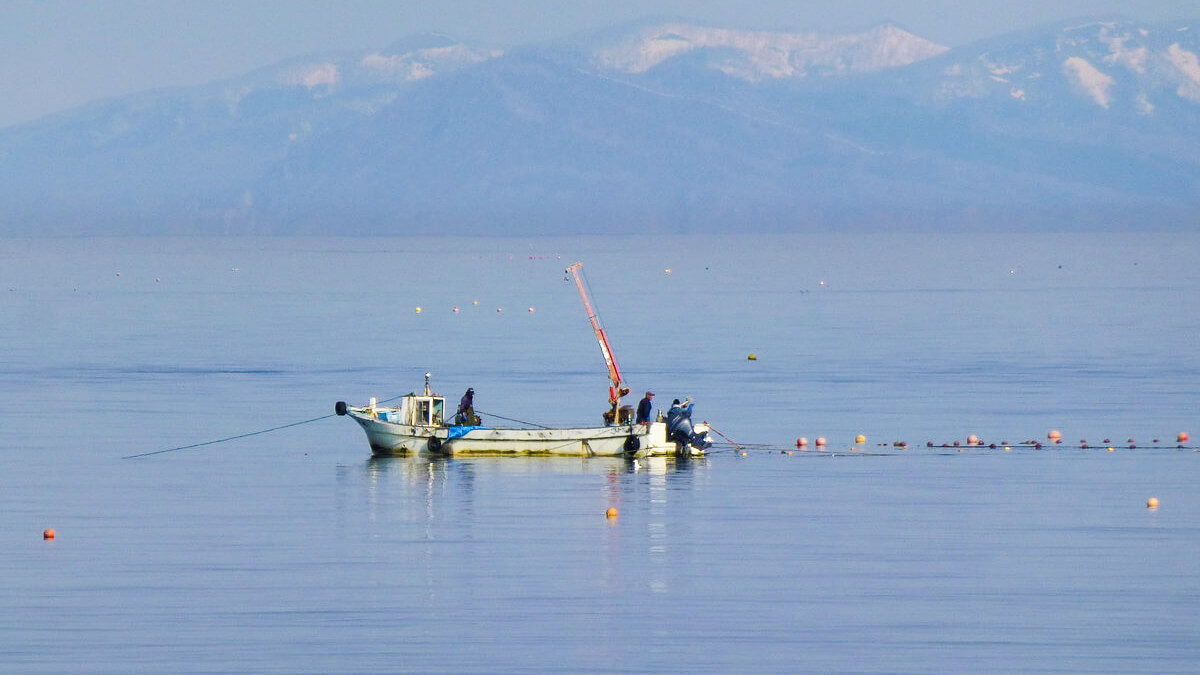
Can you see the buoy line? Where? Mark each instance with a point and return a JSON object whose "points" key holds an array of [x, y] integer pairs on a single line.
{"points": [[732, 442]]}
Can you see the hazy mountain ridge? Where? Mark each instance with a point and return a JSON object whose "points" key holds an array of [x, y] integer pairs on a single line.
{"points": [[663, 126], [1105, 63]]}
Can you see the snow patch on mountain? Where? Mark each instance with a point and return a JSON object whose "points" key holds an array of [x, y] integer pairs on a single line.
{"points": [[1093, 82], [324, 75], [1188, 66], [759, 55], [422, 63], [1143, 104], [1109, 65], [1119, 54]]}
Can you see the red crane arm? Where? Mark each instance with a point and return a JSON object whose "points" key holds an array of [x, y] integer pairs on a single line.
{"points": [[614, 371]]}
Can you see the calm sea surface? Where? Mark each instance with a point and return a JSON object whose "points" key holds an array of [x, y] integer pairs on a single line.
{"points": [[295, 551]]}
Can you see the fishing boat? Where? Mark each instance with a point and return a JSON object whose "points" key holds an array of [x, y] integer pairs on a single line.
{"points": [[420, 424]]}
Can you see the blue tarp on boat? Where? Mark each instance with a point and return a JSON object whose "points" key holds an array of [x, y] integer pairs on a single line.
{"points": [[455, 432]]}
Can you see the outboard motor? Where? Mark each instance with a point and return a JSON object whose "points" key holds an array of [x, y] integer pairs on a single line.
{"points": [[680, 428]]}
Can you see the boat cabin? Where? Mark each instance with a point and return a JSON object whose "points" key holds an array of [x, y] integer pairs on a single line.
{"points": [[426, 409]]}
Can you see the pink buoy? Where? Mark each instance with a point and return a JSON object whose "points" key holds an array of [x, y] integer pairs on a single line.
{"points": [[820, 441], [801, 442]]}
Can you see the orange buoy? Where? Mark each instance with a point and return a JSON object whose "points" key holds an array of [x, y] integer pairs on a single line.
{"points": [[531, 310], [1054, 435], [611, 512], [1152, 503], [1182, 437], [48, 533]]}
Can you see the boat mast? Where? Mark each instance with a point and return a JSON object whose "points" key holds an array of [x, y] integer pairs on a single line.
{"points": [[615, 390]]}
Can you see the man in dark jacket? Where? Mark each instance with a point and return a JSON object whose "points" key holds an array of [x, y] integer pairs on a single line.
{"points": [[644, 408]]}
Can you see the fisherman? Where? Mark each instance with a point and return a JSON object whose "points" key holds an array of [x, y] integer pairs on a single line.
{"points": [[673, 415], [466, 409], [644, 408]]}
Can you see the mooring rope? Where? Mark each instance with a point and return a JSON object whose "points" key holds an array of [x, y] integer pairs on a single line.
{"points": [[231, 438], [247, 435]]}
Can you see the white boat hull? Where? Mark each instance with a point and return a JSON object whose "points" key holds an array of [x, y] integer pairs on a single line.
{"points": [[628, 440]]}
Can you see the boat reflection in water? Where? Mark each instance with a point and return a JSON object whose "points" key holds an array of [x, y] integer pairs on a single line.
{"points": [[462, 492], [551, 477], [454, 521]]}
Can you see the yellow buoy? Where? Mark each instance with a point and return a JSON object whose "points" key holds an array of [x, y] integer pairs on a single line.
{"points": [[752, 357], [1110, 448], [860, 439], [1152, 503], [418, 310], [611, 512]]}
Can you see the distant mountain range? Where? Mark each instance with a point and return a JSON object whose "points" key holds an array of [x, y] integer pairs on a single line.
{"points": [[658, 126]]}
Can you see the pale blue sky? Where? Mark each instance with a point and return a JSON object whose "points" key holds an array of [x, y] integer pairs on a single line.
{"points": [[56, 54]]}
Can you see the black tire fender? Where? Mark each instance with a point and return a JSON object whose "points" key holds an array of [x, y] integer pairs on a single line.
{"points": [[340, 407], [435, 444], [633, 444]]}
